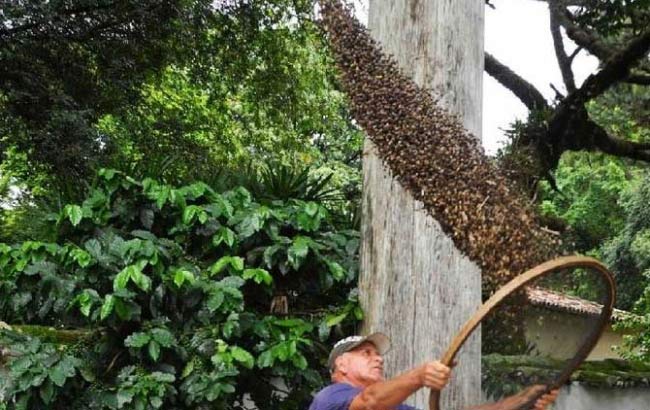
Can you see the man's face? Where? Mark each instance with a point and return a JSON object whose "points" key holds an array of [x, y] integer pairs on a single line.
{"points": [[362, 366]]}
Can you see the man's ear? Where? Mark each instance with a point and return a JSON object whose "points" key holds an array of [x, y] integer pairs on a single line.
{"points": [[342, 363]]}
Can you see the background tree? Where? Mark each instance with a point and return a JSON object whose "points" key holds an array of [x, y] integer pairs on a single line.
{"points": [[616, 32], [213, 88]]}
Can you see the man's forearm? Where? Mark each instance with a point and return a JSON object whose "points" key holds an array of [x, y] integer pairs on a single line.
{"points": [[389, 393]]}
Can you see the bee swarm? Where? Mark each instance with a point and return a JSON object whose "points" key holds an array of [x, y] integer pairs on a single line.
{"points": [[434, 157]]}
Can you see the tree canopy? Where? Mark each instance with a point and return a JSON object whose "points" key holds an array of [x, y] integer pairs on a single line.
{"points": [[616, 32]]}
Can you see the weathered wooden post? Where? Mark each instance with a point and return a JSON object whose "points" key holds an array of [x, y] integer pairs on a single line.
{"points": [[414, 284]]}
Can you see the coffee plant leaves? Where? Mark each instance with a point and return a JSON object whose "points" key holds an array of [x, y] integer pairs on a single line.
{"points": [[207, 298]]}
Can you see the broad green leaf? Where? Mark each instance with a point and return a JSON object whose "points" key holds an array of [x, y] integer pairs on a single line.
{"points": [[269, 254], [283, 351], [46, 391], [44, 268], [137, 340], [61, 371], [336, 270], [164, 337], [85, 303], [80, 256], [124, 396], [74, 213], [258, 275], [242, 356], [236, 262], [181, 276], [358, 313], [190, 212], [227, 388], [299, 361], [140, 279], [265, 359], [188, 369], [333, 320], [298, 251], [250, 225], [156, 402], [94, 248], [107, 307], [121, 279], [154, 350], [225, 235], [126, 310], [213, 392], [214, 301], [163, 377], [195, 190]]}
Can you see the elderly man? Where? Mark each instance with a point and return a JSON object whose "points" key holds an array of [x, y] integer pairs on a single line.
{"points": [[357, 368]]}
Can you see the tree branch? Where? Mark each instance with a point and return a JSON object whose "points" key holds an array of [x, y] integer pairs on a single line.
{"points": [[617, 69], [563, 60], [525, 91], [588, 40], [619, 147]]}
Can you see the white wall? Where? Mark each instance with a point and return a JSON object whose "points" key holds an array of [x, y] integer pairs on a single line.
{"points": [[579, 397]]}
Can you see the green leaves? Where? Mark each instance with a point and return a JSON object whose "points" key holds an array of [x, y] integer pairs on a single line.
{"points": [[139, 389], [73, 213], [63, 370], [86, 300], [134, 274], [298, 251], [236, 263], [181, 276], [153, 339], [283, 352], [137, 340], [258, 275], [40, 369], [192, 275], [225, 235], [107, 307], [242, 356], [194, 211]]}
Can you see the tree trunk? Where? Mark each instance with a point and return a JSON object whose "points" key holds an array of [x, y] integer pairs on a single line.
{"points": [[415, 285]]}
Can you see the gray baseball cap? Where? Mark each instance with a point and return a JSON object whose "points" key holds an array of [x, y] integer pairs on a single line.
{"points": [[380, 340]]}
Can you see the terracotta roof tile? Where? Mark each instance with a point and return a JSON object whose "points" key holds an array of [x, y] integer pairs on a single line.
{"points": [[570, 304]]}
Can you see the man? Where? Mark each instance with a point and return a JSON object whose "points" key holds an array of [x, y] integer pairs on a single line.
{"points": [[357, 368]]}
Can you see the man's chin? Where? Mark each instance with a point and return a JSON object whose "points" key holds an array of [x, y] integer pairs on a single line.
{"points": [[378, 376]]}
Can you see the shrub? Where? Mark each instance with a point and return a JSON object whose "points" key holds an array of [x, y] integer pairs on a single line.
{"points": [[156, 296]]}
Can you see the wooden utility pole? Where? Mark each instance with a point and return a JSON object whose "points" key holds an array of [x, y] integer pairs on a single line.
{"points": [[414, 284]]}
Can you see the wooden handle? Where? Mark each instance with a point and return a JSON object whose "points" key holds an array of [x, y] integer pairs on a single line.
{"points": [[518, 283]]}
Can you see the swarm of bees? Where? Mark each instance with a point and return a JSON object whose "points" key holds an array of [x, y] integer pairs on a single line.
{"points": [[434, 157]]}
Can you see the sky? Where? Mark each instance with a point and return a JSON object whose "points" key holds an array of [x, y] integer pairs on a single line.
{"points": [[517, 34]]}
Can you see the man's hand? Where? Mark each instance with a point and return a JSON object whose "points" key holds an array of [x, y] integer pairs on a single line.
{"points": [[519, 399], [546, 400], [434, 375]]}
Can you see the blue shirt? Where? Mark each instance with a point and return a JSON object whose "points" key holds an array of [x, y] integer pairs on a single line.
{"points": [[338, 396]]}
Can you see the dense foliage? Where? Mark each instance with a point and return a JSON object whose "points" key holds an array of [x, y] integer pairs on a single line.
{"points": [[629, 253], [182, 90], [178, 298], [601, 206], [65, 63]]}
